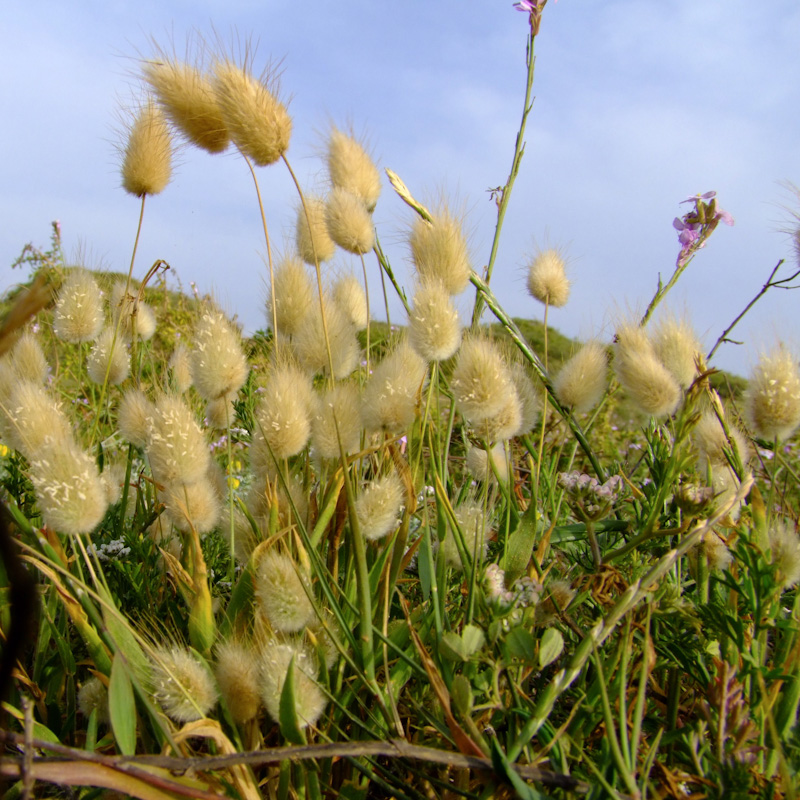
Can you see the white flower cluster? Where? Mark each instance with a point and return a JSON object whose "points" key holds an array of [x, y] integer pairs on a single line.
{"points": [[110, 550]]}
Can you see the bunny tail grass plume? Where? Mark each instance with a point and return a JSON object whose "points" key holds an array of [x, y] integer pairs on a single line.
{"points": [[378, 506], [258, 123], [176, 447], [276, 658], [135, 317], [280, 589], [547, 278], [109, 357], [472, 521], [193, 506], [506, 423], [283, 414], [93, 696], [481, 469], [135, 416], [187, 97], [392, 391], [772, 400], [311, 349], [784, 553], [335, 409], [220, 412], [349, 295], [646, 380], [580, 383], [528, 397], [237, 672], [314, 243], [350, 167], [434, 327], [78, 314], [182, 684], [439, 251], [481, 381], [27, 359], [180, 363], [677, 347], [711, 442], [219, 367], [294, 296], [349, 222], [32, 417], [69, 491], [147, 160]]}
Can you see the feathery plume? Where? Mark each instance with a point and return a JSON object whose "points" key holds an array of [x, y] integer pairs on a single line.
{"points": [[349, 295], [93, 696], [581, 381], [280, 588], [283, 415], [710, 439], [772, 400], [313, 239], [677, 346], [176, 447], [350, 167], [182, 684], [192, 506], [481, 381], [147, 161], [378, 505], [336, 408], [784, 551], [481, 469], [135, 316], [134, 417], [434, 327], [547, 278], [349, 222], [237, 672], [219, 367], [109, 356], [528, 397], [294, 296], [439, 251], [220, 412], [472, 521], [180, 363], [32, 417], [27, 359], [276, 658], [311, 349], [78, 314]]}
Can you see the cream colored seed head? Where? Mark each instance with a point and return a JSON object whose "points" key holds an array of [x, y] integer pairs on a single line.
{"points": [[711, 442], [135, 416], [479, 466], [547, 278], [193, 506], [220, 412], [349, 222], [280, 588], [32, 417], [784, 546], [180, 363], [93, 696], [440, 251], [350, 167], [581, 381], [187, 97], [182, 684], [528, 397], [481, 381], [258, 123], [335, 409], [27, 359], [219, 367], [283, 415], [473, 524], [147, 161], [109, 357], [772, 401], [310, 346], [294, 296], [78, 315], [378, 505], [134, 315], [314, 243], [506, 423], [238, 675], [349, 295], [677, 347], [434, 327], [276, 658]]}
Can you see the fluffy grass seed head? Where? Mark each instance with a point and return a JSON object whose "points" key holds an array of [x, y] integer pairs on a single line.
{"points": [[350, 167], [135, 416], [147, 159], [186, 95], [349, 295], [78, 314], [378, 505], [180, 363], [390, 397], [434, 327], [181, 684], [648, 383], [134, 315], [784, 547], [70, 493], [294, 296], [772, 400], [219, 366], [506, 423], [581, 381], [193, 506], [439, 251], [283, 415], [220, 412], [481, 380], [314, 243], [237, 670], [528, 397], [109, 357], [335, 409], [547, 278], [93, 696], [711, 442], [472, 521], [349, 222], [276, 658], [677, 346], [27, 358], [280, 588], [310, 346], [479, 466], [257, 122], [32, 417]]}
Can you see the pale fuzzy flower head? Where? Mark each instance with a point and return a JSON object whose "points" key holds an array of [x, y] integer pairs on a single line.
{"points": [[784, 551], [378, 506], [283, 415], [180, 363], [220, 412], [186, 95], [109, 357], [147, 158], [314, 243], [350, 167], [582, 380], [134, 417], [176, 447], [69, 491], [135, 317], [219, 366], [677, 346], [113, 477], [93, 696], [547, 278], [192, 506], [481, 380], [726, 486], [440, 251], [503, 425], [237, 670], [335, 409], [349, 222], [772, 400], [479, 466], [281, 587], [257, 122], [390, 397], [434, 326], [295, 296], [310, 346], [711, 442], [181, 684], [648, 383], [78, 314], [32, 417], [472, 521], [529, 399], [716, 551], [349, 295], [276, 658]]}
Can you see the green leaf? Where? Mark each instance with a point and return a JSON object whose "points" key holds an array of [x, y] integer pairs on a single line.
{"points": [[289, 723], [521, 644], [550, 647], [473, 639], [452, 647], [461, 692], [122, 707], [502, 766], [520, 545]]}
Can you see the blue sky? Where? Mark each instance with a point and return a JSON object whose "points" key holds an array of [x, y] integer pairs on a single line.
{"points": [[639, 103]]}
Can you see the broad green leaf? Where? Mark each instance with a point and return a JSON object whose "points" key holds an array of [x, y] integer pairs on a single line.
{"points": [[520, 545], [461, 692], [550, 647], [521, 644], [473, 639], [452, 647], [122, 707]]}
